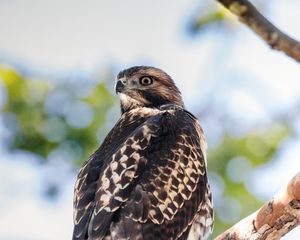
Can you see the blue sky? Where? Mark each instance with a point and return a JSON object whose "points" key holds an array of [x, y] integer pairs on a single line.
{"points": [[74, 34]]}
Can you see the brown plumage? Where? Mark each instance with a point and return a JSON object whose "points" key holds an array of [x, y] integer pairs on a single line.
{"points": [[148, 179]]}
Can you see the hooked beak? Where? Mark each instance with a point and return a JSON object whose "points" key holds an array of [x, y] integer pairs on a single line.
{"points": [[119, 86]]}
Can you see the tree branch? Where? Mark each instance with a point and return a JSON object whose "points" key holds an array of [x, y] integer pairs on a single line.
{"points": [[249, 15], [273, 220]]}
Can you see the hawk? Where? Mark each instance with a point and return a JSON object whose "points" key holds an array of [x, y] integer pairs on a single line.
{"points": [[148, 179]]}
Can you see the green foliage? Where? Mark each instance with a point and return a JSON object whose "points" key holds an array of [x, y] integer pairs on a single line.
{"points": [[40, 126], [206, 20], [211, 16], [232, 159]]}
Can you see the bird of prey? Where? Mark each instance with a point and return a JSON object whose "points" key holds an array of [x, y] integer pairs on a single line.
{"points": [[148, 179]]}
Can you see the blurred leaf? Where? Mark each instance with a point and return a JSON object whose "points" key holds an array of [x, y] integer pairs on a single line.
{"points": [[257, 147], [40, 131], [206, 20]]}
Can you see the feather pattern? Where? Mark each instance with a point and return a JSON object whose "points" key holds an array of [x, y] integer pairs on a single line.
{"points": [[148, 183], [88, 176]]}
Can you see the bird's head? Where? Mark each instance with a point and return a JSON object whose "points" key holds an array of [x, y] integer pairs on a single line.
{"points": [[143, 86]]}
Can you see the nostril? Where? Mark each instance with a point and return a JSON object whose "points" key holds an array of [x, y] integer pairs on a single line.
{"points": [[122, 80]]}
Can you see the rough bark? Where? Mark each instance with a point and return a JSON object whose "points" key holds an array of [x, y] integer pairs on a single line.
{"points": [[273, 220], [249, 15]]}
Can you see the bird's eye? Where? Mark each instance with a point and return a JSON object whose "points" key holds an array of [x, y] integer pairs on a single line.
{"points": [[145, 81]]}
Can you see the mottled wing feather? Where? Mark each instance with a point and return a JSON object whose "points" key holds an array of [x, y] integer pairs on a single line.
{"points": [[117, 180], [203, 223], [83, 200], [175, 178], [171, 191], [87, 179]]}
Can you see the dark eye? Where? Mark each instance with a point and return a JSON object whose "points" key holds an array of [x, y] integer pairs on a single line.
{"points": [[145, 81]]}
